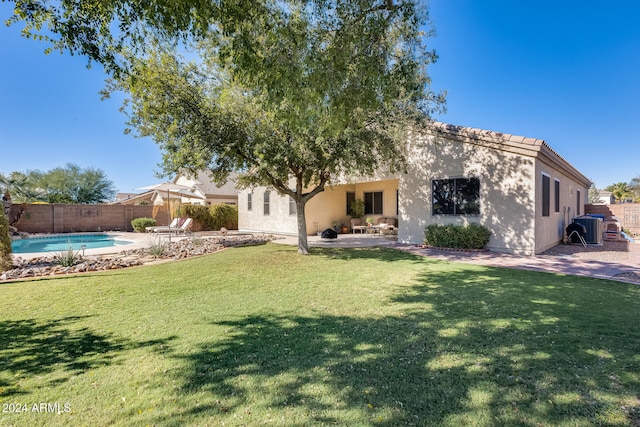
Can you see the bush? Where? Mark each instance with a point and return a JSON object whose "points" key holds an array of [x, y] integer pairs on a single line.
{"points": [[141, 224], [6, 262], [224, 216], [67, 258], [472, 236], [212, 217]]}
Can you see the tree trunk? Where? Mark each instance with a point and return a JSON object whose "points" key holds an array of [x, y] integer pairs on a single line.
{"points": [[303, 245]]}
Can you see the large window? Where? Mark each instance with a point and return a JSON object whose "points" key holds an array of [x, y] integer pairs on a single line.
{"points": [[546, 194], [373, 203], [456, 196], [267, 209], [557, 196], [293, 208]]}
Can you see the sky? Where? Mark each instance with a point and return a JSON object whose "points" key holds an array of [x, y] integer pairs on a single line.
{"points": [[564, 71]]}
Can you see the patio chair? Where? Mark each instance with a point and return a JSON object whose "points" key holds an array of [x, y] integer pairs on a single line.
{"points": [[183, 227], [356, 224]]}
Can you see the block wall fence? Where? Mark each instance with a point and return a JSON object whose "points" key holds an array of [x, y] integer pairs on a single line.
{"points": [[627, 213], [66, 218]]}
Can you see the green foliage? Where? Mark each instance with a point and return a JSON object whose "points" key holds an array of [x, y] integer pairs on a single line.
{"points": [[69, 184], [224, 216], [156, 246], [140, 224], [67, 258], [6, 262], [356, 210], [327, 89], [212, 217], [471, 236]]}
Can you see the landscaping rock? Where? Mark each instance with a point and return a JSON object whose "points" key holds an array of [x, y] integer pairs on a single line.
{"points": [[186, 248]]}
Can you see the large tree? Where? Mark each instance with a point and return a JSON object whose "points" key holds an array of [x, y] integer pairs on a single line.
{"points": [[68, 184], [292, 94]]}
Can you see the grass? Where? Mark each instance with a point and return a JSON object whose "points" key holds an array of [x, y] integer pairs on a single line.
{"points": [[260, 335]]}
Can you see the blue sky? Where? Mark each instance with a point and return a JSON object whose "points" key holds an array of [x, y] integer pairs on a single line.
{"points": [[567, 72]]}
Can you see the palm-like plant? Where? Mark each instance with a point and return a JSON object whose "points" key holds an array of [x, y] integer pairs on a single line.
{"points": [[621, 191]]}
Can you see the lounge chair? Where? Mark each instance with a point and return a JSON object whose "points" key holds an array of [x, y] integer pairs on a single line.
{"points": [[174, 224], [180, 228]]}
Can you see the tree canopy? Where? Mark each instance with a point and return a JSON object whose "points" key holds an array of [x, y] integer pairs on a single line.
{"points": [[292, 95], [69, 184]]}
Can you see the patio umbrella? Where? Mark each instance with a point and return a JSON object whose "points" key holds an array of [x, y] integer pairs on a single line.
{"points": [[171, 187]]}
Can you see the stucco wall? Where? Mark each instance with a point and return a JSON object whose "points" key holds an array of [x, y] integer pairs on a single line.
{"points": [[321, 211], [550, 230], [506, 192]]}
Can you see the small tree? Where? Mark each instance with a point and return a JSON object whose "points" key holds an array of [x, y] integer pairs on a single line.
{"points": [[6, 262]]}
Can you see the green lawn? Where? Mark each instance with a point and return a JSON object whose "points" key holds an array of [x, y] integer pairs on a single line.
{"points": [[263, 336]]}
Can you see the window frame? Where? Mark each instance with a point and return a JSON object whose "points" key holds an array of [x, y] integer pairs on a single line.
{"points": [[454, 201], [266, 203], [373, 207], [293, 208], [546, 194], [556, 184], [249, 202]]}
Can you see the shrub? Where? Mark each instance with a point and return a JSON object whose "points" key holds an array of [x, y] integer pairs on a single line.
{"points": [[212, 217], [6, 262], [67, 258], [224, 216], [141, 224], [156, 246], [472, 236], [199, 214]]}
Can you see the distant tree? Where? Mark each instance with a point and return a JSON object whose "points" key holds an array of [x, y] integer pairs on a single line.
{"points": [[620, 191], [292, 95], [594, 194], [634, 187], [69, 184], [20, 186]]}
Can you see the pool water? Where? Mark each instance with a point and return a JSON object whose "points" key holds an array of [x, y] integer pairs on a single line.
{"points": [[57, 243]]}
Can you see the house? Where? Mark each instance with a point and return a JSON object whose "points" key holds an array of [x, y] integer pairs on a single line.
{"points": [[205, 192], [212, 193], [518, 187], [605, 198]]}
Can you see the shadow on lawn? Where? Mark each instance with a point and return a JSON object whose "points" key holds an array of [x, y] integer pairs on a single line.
{"points": [[481, 347], [33, 347]]}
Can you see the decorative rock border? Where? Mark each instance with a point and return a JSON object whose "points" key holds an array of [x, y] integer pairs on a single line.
{"points": [[186, 248]]}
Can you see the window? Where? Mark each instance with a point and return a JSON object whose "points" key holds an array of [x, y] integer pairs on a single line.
{"points": [[293, 209], [397, 202], [351, 197], [373, 203], [457, 196], [578, 210], [557, 196], [249, 202], [266, 202], [546, 194]]}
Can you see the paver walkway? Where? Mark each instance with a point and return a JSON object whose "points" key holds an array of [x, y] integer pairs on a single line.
{"points": [[561, 264]]}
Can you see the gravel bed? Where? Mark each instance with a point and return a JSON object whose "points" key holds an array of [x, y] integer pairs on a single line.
{"points": [[196, 245]]}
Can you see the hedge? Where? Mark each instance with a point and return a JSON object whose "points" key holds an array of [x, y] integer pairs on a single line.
{"points": [[471, 236]]}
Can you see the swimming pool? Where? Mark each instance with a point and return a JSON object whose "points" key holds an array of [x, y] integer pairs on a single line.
{"points": [[62, 242]]}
